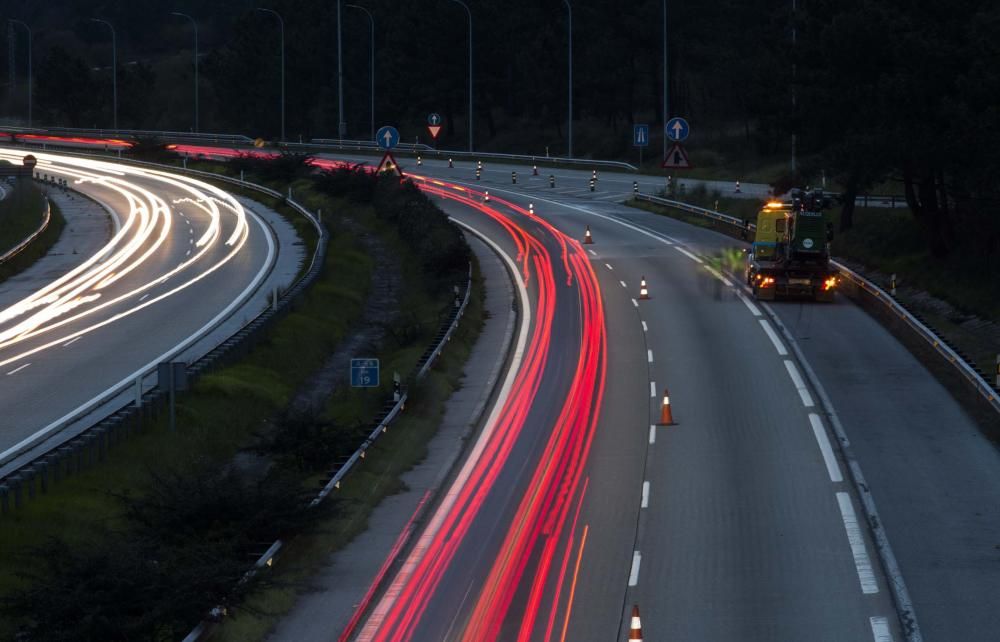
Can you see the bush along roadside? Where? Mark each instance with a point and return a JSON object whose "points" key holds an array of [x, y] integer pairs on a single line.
{"points": [[193, 508]]}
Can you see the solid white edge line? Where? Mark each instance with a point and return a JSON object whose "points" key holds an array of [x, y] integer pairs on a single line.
{"points": [[832, 466], [649, 356], [633, 575], [688, 254], [652, 389], [866, 575], [18, 369], [880, 628], [645, 494], [652, 433], [754, 310], [800, 385], [778, 345]]}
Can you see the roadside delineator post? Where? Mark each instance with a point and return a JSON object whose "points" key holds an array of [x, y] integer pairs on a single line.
{"points": [[486, 196], [513, 178], [420, 161], [531, 209], [998, 372], [635, 187], [666, 416], [738, 187], [534, 170], [587, 238], [552, 180], [635, 626], [892, 284], [643, 290], [593, 182]]}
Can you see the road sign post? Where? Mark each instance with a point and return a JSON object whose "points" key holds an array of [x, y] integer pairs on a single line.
{"points": [[364, 373]]}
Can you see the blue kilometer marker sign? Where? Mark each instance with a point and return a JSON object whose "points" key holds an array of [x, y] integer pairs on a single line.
{"points": [[387, 137], [640, 135], [677, 129], [364, 373]]}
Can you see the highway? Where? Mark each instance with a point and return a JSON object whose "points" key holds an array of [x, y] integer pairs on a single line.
{"points": [[184, 255]]}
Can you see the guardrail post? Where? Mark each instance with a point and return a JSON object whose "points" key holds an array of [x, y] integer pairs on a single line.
{"points": [[998, 372], [4, 499], [892, 284], [14, 481]]}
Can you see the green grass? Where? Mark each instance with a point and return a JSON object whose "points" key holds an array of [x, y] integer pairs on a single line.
{"points": [[20, 215]]}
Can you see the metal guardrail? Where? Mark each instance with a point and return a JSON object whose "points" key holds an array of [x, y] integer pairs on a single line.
{"points": [[20, 247], [934, 340], [234, 139]]}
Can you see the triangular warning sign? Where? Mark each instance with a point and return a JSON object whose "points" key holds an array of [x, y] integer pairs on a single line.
{"points": [[677, 158], [389, 164], [434, 129]]}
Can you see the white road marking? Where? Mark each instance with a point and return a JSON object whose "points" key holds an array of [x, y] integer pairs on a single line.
{"points": [[592, 253], [649, 356], [608, 265], [645, 328], [824, 446], [73, 340], [718, 275], [633, 576], [635, 303], [861, 561], [880, 628], [800, 385], [18, 369], [689, 255], [645, 494], [143, 297], [778, 345], [652, 389], [621, 196], [190, 241], [754, 310], [652, 434], [190, 230], [623, 284], [188, 253]]}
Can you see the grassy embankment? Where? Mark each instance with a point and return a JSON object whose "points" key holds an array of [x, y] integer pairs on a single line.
{"points": [[228, 413], [20, 215]]}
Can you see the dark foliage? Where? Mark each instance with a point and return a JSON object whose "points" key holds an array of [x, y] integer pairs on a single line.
{"points": [[151, 149], [305, 442], [283, 167]]}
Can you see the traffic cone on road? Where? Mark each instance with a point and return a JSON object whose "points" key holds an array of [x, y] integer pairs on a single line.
{"points": [[737, 187], [534, 170], [486, 196], [635, 626], [666, 417], [451, 164], [643, 290], [587, 239]]}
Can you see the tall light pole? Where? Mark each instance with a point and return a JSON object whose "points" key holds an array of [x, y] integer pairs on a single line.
{"points": [[795, 74], [281, 24], [114, 70], [469, 13], [341, 123], [371, 60], [666, 108], [569, 152], [28, 29], [195, 25]]}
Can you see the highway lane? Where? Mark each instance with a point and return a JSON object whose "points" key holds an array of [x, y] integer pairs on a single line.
{"points": [[184, 252]]}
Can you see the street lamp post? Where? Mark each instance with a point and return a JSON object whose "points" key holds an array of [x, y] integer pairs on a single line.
{"points": [[28, 29], [281, 24], [195, 25], [666, 108], [114, 70], [467, 11], [569, 152], [341, 123], [371, 60]]}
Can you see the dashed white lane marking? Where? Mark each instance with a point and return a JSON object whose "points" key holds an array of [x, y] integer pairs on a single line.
{"points": [[880, 628], [861, 561], [649, 356], [824, 447], [645, 328], [592, 253], [645, 494], [719, 276], [143, 297], [778, 345], [608, 265], [635, 303], [190, 230], [623, 284], [652, 433], [190, 241], [688, 254], [800, 385], [73, 340], [188, 253], [633, 575], [652, 389], [18, 369], [754, 310]]}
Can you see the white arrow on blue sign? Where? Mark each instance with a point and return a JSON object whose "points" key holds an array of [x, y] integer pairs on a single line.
{"points": [[677, 129], [434, 119], [387, 137], [640, 135]]}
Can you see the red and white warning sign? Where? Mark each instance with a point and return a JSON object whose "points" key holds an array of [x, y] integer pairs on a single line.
{"points": [[434, 130], [677, 158], [389, 164]]}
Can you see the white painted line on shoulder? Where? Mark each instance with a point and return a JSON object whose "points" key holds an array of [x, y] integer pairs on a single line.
{"points": [[778, 345], [592, 253], [652, 389], [861, 561], [880, 628], [18, 369], [623, 284], [832, 466], [635, 303], [649, 356], [652, 434], [645, 494], [689, 255], [754, 310], [645, 328], [73, 340], [633, 576], [800, 385], [608, 265]]}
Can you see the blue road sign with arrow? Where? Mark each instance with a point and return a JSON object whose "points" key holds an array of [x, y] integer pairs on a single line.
{"points": [[387, 137], [677, 129], [640, 135], [434, 119]]}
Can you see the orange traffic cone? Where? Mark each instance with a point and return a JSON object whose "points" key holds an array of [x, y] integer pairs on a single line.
{"points": [[643, 290], [666, 417], [486, 197], [635, 627], [587, 239]]}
